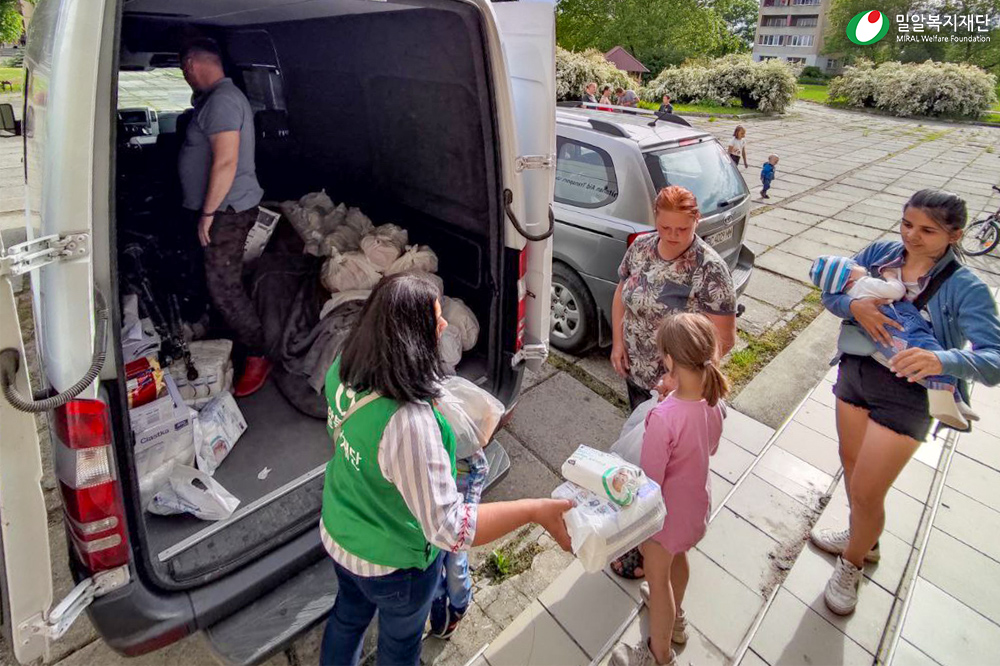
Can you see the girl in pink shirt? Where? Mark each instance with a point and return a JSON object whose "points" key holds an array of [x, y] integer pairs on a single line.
{"points": [[681, 433]]}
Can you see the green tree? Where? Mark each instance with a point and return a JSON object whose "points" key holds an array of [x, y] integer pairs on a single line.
{"points": [[11, 21], [657, 32], [740, 17]]}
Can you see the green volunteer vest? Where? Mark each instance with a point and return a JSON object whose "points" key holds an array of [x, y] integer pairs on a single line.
{"points": [[362, 511]]}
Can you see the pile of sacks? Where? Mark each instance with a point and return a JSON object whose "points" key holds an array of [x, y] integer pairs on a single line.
{"points": [[360, 253]]}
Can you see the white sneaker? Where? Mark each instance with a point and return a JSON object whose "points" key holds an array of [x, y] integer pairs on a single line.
{"points": [[632, 655], [680, 632], [841, 594], [944, 409], [835, 543]]}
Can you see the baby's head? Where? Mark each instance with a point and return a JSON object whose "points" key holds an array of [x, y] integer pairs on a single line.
{"points": [[773, 159], [833, 275]]}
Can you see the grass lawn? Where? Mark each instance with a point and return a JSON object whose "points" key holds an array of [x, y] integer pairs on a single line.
{"points": [[713, 109], [13, 74], [813, 92]]}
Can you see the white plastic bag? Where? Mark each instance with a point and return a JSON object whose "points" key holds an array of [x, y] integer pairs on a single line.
{"points": [[416, 258], [188, 490], [335, 218], [629, 444], [473, 414], [216, 430], [359, 222], [310, 230], [603, 474], [380, 250], [450, 345], [458, 315], [393, 233], [349, 271], [600, 530], [341, 240], [318, 201]]}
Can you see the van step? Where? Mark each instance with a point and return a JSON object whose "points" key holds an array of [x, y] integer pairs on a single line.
{"points": [[270, 623]]}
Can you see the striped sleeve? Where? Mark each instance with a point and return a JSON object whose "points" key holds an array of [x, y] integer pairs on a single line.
{"points": [[413, 458]]}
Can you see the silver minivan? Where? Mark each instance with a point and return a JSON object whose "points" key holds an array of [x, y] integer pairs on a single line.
{"points": [[437, 112]]}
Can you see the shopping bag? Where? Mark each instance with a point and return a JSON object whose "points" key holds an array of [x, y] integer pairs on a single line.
{"points": [[629, 444]]}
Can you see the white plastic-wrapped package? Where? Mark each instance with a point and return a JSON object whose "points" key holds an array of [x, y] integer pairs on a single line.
{"points": [[212, 359], [473, 414], [217, 429], [349, 271], [394, 233], [601, 530], [450, 345], [380, 250], [187, 490], [335, 218], [416, 258], [629, 444], [604, 474], [309, 229], [459, 316], [341, 240], [359, 222], [319, 201]]}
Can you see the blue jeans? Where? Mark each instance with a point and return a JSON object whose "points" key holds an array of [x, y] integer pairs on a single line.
{"points": [[456, 582], [403, 601], [765, 183]]}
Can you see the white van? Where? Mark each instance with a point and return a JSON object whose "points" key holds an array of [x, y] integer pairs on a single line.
{"points": [[439, 112]]}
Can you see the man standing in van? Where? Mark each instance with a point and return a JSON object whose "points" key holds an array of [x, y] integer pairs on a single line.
{"points": [[220, 188]]}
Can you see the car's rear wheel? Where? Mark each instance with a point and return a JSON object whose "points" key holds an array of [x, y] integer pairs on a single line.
{"points": [[574, 315]]}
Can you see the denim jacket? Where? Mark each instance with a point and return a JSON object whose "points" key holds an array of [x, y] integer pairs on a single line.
{"points": [[962, 311]]}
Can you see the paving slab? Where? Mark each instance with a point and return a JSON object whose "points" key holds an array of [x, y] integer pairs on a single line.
{"points": [[765, 237], [948, 631], [540, 421], [535, 639], [598, 365], [528, 476], [908, 655], [793, 634], [825, 236], [807, 581], [746, 432], [789, 265], [974, 479], [720, 489], [794, 476], [811, 446], [819, 417], [902, 515], [799, 217], [964, 573], [718, 605], [730, 461], [750, 562], [888, 571], [775, 290], [532, 379], [773, 512], [778, 224], [751, 658], [969, 521], [915, 480], [809, 250], [758, 316]]}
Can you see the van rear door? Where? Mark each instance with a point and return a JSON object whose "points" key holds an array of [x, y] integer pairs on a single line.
{"points": [[527, 32]]}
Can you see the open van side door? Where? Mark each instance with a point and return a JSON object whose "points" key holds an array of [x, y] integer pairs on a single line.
{"points": [[527, 33]]}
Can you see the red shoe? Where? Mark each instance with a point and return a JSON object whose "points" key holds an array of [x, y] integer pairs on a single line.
{"points": [[254, 375]]}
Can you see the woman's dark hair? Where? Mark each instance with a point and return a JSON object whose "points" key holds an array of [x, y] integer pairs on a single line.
{"points": [[945, 208], [393, 347]]}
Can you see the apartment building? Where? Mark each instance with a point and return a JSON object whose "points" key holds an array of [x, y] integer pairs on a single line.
{"points": [[792, 30]]}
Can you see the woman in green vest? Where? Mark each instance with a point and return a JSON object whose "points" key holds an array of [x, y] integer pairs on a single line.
{"points": [[390, 504]]}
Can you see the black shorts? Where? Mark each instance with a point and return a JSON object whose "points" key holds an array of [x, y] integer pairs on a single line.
{"points": [[892, 402]]}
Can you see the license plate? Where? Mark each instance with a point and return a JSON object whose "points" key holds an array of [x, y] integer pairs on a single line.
{"points": [[720, 237]]}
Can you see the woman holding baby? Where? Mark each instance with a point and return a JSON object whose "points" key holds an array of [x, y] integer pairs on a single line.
{"points": [[883, 412]]}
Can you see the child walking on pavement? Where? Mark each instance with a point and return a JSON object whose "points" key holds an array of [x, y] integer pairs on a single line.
{"points": [[681, 433], [767, 174]]}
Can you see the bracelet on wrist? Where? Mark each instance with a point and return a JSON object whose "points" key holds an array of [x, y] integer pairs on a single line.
{"points": [[204, 214]]}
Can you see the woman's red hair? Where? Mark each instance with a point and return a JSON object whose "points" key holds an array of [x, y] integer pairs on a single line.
{"points": [[676, 199]]}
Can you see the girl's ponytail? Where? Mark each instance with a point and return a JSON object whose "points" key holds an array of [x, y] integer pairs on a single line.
{"points": [[716, 385], [690, 341]]}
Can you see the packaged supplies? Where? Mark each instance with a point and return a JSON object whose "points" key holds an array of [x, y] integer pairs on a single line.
{"points": [[393, 233], [309, 228], [212, 359], [473, 414], [318, 201], [601, 530], [259, 234], [187, 490], [629, 444], [380, 250], [218, 427], [163, 432], [416, 258], [436, 279], [341, 240], [459, 316], [450, 345], [603, 474], [335, 218], [143, 381], [348, 272], [359, 222]]}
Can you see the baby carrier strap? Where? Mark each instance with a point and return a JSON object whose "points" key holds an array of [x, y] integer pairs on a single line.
{"points": [[938, 279]]}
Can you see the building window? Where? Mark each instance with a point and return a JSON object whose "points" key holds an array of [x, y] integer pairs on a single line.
{"points": [[801, 3], [797, 61], [776, 3], [831, 64], [798, 40], [805, 21], [773, 21]]}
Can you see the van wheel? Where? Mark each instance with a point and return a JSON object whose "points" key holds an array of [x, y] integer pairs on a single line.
{"points": [[574, 316]]}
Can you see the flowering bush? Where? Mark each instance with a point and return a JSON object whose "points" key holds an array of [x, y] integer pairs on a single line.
{"points": [[918, 89], [769, 86], [575, 70]]}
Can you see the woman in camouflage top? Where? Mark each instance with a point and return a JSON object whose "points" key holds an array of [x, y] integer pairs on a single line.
{"points": [[670, 271]]}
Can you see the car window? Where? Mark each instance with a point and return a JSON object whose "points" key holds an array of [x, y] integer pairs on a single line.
{"points": [[704, 168], [585, 175]]}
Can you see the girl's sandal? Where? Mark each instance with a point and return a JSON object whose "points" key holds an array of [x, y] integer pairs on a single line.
{"points": [[629, 565]]}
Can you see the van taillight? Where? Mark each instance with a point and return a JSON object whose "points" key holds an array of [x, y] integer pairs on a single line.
{"points": [[522, 294], [91, 494]]}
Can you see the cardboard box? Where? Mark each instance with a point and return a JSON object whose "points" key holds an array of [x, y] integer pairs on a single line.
{"points": [[163, 431], [259, 234]]}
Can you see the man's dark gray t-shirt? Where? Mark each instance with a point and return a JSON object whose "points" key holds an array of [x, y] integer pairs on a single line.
{"points": [[222, 108]]}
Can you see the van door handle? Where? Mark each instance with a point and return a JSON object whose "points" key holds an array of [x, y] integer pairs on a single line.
{"points": [[508, 199]]}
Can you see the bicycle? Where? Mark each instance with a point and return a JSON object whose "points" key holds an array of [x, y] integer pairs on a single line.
{"points": [[982, 236]]}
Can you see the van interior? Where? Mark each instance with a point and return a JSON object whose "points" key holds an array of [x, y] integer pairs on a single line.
{"points": [[387, 106]]}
